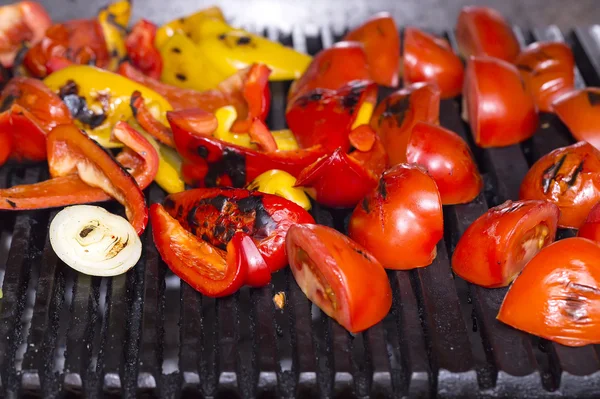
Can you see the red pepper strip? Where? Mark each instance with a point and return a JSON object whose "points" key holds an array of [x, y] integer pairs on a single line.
{"points": [[71, 190], [57, 63], [215, 215], [261, 136], [248, 91], [362, 138], [259, 273], [148, 122], [141, 51], [210, 161], [209, 270], [342, 180], [325, 116], [25, 138]]}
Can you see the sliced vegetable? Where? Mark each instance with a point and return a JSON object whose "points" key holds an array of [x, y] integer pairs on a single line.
{"points": [[93, 241], [381, 41], [500, 110], [141, 50], [580, 111], [568, 177], [114, 19], [430, 59], [496, 247], [281, 183], [447, 158], [591, 227], [557, 296], [187, 25], [339, 276], [403, 212]]}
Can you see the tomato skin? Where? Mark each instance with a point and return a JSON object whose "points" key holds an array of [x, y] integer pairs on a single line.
{"points": [[568, 177], [141, 51], [501, 112], [322, 258], [547, 68], [484, 31], [395, 116], [496, 247], [560, 288], [580, 112], [430, 59], [448, 159], [591, 227], [381, 41], [403, 211], [25, 21]]}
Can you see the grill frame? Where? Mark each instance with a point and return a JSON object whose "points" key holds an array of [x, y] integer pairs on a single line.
{"points": [[146, 333]]}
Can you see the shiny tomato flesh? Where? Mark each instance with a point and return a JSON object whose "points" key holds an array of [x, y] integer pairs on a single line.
{"points": [[580, 111], [591, 227]]}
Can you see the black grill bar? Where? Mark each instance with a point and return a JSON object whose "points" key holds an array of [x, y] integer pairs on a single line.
{"points": [[146, 333]]}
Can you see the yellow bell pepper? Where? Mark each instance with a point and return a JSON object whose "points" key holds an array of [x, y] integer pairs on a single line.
{"points": [[187, 25], [101, 89], [364, 114], [227, 115], [114, 19], [281, 183]]}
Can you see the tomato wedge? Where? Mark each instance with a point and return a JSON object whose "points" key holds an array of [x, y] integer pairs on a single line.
{"points": [[395, 116], [568, 177], [547, 68], [381, 41], [339, 276], [484, 31], [496, 247], [557, 296], [500, 110], [403, 211], [448, 159], [141, 50], [580, 112], [430, 59], [591, 227]]}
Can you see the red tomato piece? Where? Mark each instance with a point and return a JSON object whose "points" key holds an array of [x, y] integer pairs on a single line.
{"points": [[580, 112], [381, 41], [141, 51], [395, 116], [339, 276], [591, 227], [496, 247], [557, 296], [547, 68], [400, 222], [448, 159], [568, 177], [430, 59], [25, 21], [500, 110], [484, 31]]}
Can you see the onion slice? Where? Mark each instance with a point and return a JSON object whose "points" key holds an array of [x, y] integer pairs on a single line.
{"points": [[93, 241]]}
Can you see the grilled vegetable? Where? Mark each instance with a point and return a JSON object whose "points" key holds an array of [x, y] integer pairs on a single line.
{"points": [[579, 111], [281, 183]]}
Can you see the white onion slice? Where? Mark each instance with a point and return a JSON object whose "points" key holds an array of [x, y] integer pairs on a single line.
{"points": [[93, 241]]}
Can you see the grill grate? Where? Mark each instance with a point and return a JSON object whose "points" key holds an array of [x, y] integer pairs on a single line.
{"points": [[147, 333]]}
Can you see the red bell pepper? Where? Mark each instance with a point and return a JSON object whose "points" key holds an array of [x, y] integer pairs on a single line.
{"points": [[332, 69], [78, 41], [342, 180], [395, 116], [248, 91], [211, 162], [147, 121], [325, 117], [260, 135], [29, 111], [215, 215], [141, 50]]}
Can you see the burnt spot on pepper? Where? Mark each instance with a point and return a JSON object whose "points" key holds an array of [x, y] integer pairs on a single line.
{"points": [[365, 205], [362, 253], [525, 68], [550, 174], [222, 36], [352, 99], [202, 151], [232, 164], [396, 109], [219, 202], [593, 98], [19, 58], [313, 96], [132, 101], [243, 40], [11, 203], [176, 50], [77, 106], [169, 203], [181, 77], [191, 217], [179, 211], [7, 102], [380, 30], [112, 19]]}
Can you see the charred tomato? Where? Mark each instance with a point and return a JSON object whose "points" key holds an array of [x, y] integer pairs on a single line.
{"points": [[580, 112], [591, 227]]}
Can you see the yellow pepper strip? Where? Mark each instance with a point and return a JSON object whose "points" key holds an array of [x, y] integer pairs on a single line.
{"points": [[280, 183], [187, 25], [230, 49], [363, 117], [227, 115], [108, 93], [114, 19]]}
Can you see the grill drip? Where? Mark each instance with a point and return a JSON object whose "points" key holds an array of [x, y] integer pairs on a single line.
{"points": [[146, 333]]}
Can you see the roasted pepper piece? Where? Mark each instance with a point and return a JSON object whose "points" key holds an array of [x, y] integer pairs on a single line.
{"points": [[281, 183], [99, 99], [114, 19], [215, 215], [147, 121], [29, 111], [211, 162], [359, 171], [139, 158], [141, 50], [187, 25]]}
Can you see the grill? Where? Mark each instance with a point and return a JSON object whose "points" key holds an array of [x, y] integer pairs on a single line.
{"points": [[147, 334]]}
